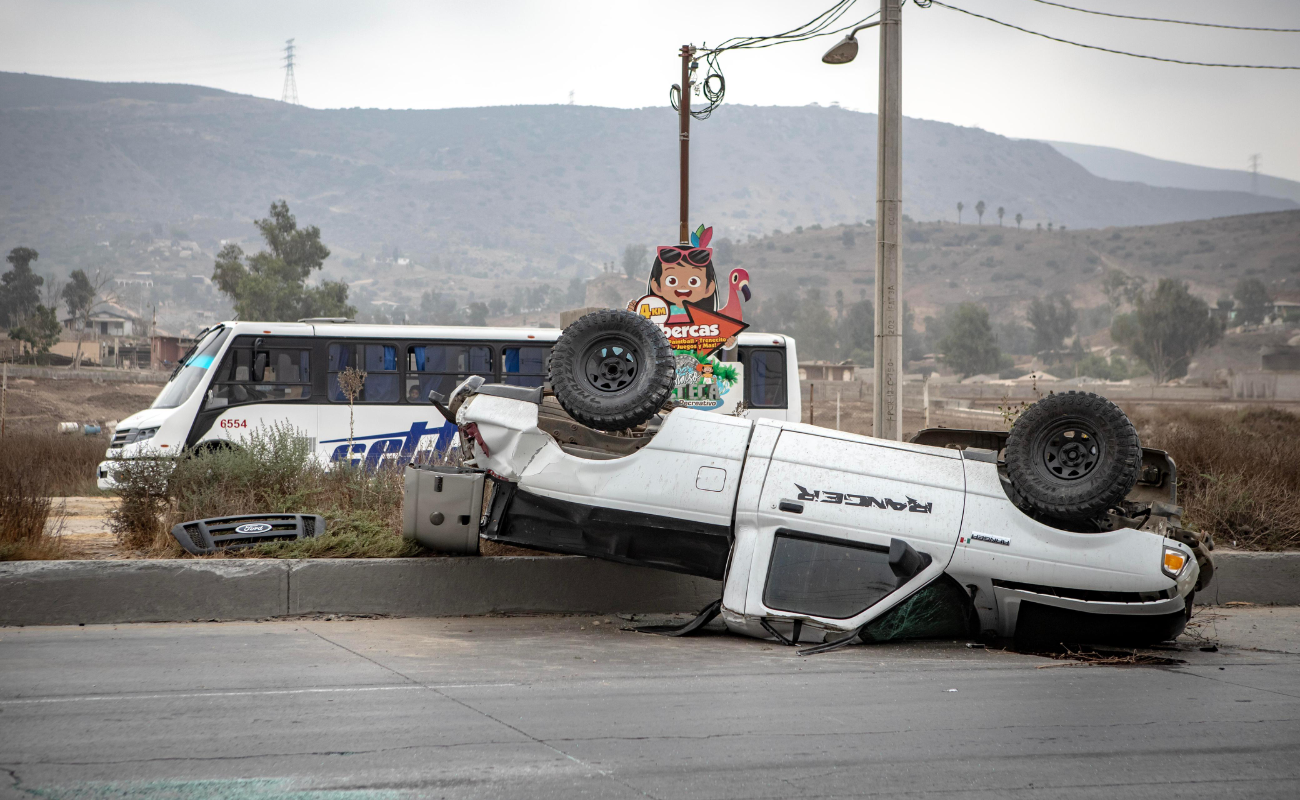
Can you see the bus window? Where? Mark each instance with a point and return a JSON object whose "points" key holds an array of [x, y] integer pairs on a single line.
{"points": [[764, 377], [440, 367], [378, 361], [255, 371], [525, 366]]}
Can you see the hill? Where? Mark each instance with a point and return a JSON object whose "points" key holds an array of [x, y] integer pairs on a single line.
{"points": [[501, 189], [1122, 165], [1004, 268]]}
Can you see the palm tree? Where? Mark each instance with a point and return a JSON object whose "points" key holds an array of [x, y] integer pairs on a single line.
{"points": [[960, 206], [979, 209], [1001, 211], [1019, 217]]}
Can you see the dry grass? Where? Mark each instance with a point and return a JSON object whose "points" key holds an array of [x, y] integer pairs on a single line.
{"points": [[25, 511], [1238, 471], [274, 472], [67, 462]]}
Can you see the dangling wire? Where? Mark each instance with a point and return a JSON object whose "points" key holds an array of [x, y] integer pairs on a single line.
{"points": [[714, 85]]}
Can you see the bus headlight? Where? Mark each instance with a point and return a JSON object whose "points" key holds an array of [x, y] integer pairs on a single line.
{"points": [[145, 433], [1173, 561]]}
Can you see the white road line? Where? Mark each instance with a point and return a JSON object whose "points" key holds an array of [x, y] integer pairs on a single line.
{"points": [[246, 693]]}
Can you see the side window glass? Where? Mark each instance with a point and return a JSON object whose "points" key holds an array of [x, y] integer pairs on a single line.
{"points": [[525, 365], [765, 378], [377, 360], [826, 579], [440, 367], [251, 375]]}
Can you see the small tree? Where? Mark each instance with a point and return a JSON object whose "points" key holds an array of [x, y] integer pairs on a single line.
{"points": [[272, 284], [83, 295], [968, 344], [1167, 328], [979, 211], [1252, 295], [1052, 320], [40, 330], [1019, 219], [1001, 211], [960, 206], [634, 260], [19, 287], [351, 382]]}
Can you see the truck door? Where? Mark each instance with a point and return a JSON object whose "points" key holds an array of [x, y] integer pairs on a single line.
{"points": [[849, 526]]}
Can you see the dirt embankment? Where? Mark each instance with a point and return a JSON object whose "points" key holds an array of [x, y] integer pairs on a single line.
{"points": [[38, 405]]}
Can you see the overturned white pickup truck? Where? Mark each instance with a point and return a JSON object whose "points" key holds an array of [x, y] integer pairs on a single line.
{"points": [[1063, 530]]}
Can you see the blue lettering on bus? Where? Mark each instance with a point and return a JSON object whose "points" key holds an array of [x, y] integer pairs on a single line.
{"points": [[399, 445]]}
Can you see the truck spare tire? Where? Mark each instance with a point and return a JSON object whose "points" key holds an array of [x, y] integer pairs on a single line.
{"points": [[1072, 456], [612, 370]]}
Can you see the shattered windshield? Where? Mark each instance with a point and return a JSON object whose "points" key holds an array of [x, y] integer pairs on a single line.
{"points": [[191, 371]]}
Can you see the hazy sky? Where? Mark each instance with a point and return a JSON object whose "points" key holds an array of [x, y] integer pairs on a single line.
{"points": [[623, 53]]}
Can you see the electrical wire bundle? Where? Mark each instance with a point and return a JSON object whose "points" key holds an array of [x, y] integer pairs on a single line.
{"points": [[714, 85]]}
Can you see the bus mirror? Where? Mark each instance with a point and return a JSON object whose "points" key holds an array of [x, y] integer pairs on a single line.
{"points": [[259, 366]]}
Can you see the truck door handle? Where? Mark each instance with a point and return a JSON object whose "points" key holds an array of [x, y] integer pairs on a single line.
{"points": [[791, 506]]}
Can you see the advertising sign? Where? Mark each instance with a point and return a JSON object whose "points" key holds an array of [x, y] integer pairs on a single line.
{"points": [[683, 297], [700, 318]]}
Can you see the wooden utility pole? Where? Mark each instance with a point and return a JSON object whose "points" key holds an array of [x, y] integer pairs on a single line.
{"points": [[684, 141], [887, 411]]}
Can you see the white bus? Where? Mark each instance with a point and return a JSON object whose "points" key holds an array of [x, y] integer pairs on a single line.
{"points": [[241, 375]]}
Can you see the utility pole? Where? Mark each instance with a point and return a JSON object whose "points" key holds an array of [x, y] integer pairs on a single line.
{"points": [[1254, 173], [684, 141], [887, 410], [290, 92]]}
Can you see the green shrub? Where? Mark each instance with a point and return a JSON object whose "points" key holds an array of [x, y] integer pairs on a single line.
{"points": [[272, 470]]}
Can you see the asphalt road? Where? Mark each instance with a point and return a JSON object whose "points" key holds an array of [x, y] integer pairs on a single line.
{"points": [[562, 707]]}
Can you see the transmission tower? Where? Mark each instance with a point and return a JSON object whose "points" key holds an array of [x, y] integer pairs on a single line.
{"points": [[1254, 173], [290, 93]]}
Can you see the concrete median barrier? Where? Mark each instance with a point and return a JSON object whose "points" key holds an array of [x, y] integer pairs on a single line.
{"points": [[73, 592], [178, 590], [1260, 578]]}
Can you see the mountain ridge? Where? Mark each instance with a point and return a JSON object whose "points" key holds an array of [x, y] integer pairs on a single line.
{"points": [[540, 188]]}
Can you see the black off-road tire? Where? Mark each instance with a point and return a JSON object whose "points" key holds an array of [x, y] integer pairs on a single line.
{"points": [[1072, 456], [612, 370]]}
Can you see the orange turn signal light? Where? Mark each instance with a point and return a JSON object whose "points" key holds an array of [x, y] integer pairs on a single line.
{"points": [[1174, 561]]}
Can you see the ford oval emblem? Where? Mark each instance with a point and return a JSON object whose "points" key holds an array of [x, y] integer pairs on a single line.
{"points": [[254, 527]]}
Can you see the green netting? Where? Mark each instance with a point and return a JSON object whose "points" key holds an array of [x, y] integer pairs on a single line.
{"points": [[941, 610]]}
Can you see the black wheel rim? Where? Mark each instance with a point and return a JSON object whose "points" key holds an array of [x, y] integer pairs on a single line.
{"points": [[1071, 449], [611, 364]]}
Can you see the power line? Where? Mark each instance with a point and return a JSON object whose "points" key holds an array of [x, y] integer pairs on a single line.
{"points": [[1107, 49], [290, 92], [714, 85], [1171, 21]]}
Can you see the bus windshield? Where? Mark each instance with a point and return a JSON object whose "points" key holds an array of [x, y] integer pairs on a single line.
{"points": [[191, 371]]}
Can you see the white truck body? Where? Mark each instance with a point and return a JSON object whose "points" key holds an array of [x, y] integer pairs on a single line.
{"points": [[798, 521]]}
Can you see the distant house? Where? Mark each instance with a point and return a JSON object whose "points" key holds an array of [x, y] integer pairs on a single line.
{"points": [[108, 320], [826, 371], [1286, 310], [165, 349]]}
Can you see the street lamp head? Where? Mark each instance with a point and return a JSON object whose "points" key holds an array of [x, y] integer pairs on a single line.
{"points": [[847, 49], [842, 53]]}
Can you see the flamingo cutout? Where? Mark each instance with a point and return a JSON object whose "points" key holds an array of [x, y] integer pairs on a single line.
{"points": [[739, 283]]}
